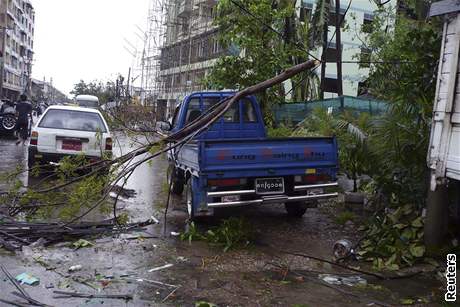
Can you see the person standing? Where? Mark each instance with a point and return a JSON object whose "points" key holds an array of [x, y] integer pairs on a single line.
{"points": [[23, 113]]}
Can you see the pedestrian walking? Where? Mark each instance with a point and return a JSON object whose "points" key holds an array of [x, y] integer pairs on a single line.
{"points": [[23, 113]]}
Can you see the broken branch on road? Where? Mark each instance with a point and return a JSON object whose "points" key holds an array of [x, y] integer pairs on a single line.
{"points": [[67, 294], [18, 234]]}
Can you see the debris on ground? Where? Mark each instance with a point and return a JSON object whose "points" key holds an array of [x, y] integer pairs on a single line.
{"points": [[26, 278], [81, 243], [67, 294], [118, 191], [15, 234], [340, 280], [161, 267], [22, 293], [204, 304], [342, 248], [75, 268]]}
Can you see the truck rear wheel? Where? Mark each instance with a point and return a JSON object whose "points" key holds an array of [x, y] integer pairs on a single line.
{"points": [[190, 205], [177, 184], [296, 209]]}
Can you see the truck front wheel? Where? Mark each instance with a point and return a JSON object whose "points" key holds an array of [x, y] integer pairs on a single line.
{"points": [[177, 183], [296, 209]]}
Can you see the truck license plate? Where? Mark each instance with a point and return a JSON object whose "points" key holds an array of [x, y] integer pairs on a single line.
{"points": [[269, 185], [71, 145]]}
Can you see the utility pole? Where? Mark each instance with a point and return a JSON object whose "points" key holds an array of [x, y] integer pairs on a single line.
{"points": [[128, 92], [323, 62], [338, 43]]}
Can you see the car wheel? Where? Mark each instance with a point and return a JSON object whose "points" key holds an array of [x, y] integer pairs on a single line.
{"points": [[296, 209], [8, 122], [177, 184]]}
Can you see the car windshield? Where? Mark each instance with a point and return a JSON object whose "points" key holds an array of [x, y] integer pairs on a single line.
{"points": [[73, 120]]}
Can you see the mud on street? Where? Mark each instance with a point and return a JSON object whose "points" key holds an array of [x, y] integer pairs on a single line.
{"points": [[159, 269]]}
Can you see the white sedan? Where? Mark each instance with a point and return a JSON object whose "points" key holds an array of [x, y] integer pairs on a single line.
{"points": [[66, 130]]}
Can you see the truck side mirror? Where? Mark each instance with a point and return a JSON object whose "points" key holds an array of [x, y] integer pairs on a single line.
{"points": [[165, 126]]}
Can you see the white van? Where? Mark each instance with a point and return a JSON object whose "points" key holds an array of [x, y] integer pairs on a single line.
{"points": [[87, 101]]}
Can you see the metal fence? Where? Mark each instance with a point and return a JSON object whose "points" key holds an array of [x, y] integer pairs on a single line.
{"points": [[294, 112]]}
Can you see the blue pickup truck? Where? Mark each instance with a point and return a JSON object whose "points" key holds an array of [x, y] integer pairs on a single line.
{"points": [[233, 163]]}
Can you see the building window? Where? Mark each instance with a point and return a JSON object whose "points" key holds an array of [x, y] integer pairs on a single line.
{"points": [[365, 57], [332, 17], [305, 12], [367, 26]]}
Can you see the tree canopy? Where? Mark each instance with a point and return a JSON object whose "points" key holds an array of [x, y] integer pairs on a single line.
{"points": [[266, 37]]}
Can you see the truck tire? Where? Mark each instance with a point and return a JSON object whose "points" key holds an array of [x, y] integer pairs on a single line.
{"points": [[189, 202], [177, 184], [8, 123], [296, 209]]}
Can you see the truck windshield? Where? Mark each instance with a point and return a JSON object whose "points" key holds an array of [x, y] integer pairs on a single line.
{"points": [[231, 116]]}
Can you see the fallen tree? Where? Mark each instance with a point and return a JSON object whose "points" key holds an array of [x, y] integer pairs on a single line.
{"points": [[72, 187]]}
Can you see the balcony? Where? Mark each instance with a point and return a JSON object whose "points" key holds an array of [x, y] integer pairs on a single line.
{"points": [[185, 8]]}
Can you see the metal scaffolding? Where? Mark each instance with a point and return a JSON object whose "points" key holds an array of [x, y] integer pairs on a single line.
{"points": [[149, 58]]}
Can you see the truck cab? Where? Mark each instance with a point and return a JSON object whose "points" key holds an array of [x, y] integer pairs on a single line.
{"points": [[242, 120]]}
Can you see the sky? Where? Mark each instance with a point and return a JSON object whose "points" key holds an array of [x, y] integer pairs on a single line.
{"points": [[86, 39]]}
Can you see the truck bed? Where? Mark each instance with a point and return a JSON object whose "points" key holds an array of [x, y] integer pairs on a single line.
{"points": [[260, 157]]}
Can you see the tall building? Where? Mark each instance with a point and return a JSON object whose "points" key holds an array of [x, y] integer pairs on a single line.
{"points": [[17, 26], [189, 50], [355, 27]]}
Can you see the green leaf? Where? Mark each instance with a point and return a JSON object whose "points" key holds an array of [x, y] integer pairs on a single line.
{"points": [[417, 250], [407, 234], [407, 301], [82, 243], [392, 267], [417, 222], [204, 304]]}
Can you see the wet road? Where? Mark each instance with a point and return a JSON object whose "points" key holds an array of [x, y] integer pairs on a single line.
{"points": [[249, 277], [12, 156], [147, 181]]}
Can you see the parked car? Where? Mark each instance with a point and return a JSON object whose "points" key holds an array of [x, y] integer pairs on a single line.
{"points": [[7, 117], [64, 130], [234, 164]]}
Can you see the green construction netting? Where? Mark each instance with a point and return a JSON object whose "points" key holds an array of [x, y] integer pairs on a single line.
{"points": [[294, 112]]}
